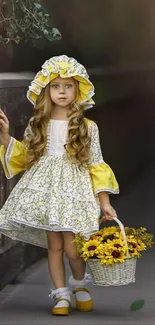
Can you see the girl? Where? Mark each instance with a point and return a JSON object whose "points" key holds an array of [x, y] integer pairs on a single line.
{"points": [[66, 182]]}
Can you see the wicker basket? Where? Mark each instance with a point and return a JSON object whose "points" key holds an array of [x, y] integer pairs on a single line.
{"points": [[113, 275]]}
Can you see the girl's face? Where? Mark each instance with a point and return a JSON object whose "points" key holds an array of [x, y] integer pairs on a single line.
{"points": [[63, 91]]}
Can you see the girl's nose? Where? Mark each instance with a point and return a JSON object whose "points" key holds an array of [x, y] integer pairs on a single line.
{"points": [[62, 90]]}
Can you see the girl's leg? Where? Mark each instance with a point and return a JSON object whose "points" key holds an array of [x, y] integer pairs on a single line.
{"points": [[78, 280], [76, 263], [61, 294], [55, 258]]}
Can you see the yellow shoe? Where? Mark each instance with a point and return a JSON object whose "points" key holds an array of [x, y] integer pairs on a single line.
{"points": [[62, 303], [83, 305], [61, 311]]}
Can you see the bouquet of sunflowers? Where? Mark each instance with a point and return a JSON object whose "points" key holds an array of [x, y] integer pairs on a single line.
{"points": [[112, 252]]}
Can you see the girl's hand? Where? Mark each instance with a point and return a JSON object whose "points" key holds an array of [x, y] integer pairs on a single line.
{"points": [[109, 212], [4, 129], [4, 124]]}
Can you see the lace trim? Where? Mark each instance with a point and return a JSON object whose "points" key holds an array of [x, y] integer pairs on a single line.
{"points": [[106, 189], [80, 198], [48, 144], [59, 293], [77, 283], [51, 227], [4, 165], [6, 159]]}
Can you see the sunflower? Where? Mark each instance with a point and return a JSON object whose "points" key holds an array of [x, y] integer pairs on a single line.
{"points": [[108, 245], [135, 246], [109, 230], [98, 235], [89, 249], [110, 254], [141, 245], [110, 233], [115, 257], [119, 244], [133, 253]]}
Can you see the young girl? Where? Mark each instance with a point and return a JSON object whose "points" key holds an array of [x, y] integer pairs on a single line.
{"points": [[66, 182]]}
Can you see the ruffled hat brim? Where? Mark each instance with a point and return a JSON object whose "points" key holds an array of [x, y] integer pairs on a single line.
{"points": [[65, 68]]}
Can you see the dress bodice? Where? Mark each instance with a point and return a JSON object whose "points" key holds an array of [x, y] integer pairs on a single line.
{"points": [[56, 137]]}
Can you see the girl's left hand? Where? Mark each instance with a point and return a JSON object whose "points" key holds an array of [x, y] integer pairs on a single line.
{"points": [[109, 212]]}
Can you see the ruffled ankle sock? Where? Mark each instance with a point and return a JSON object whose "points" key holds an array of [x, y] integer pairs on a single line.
{"points": [[81, 295], [60, 293]]}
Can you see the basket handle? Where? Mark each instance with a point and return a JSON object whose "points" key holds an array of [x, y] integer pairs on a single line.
{"points": [[123, 233]]}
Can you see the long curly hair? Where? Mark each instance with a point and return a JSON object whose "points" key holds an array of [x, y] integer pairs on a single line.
{"points": [[78, 141]]}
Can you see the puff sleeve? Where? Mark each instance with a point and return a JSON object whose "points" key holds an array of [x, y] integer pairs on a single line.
{"points": [[102, 176], [14, 157]]}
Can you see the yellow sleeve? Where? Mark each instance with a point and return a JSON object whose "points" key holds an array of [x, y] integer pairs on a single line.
{"points": [[13, 158], [102, 176], [103, 179]]}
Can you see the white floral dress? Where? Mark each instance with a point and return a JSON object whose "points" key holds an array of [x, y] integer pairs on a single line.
{"points": [[54, 194]]}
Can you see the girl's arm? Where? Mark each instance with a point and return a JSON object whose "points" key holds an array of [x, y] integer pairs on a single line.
{"points": [[106, 207]]}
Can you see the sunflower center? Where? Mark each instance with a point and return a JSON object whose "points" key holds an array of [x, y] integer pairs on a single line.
{"points": [[117, 245], [91, 248], [111, 237], [133, 245], [115, 254]]}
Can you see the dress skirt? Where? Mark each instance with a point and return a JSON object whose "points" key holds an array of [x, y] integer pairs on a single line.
{"points": [[52, 195]]}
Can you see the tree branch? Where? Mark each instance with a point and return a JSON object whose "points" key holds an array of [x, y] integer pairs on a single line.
{"points": [[31, 14], [1, 21]]}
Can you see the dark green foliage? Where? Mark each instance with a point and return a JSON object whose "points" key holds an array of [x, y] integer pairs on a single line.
{"points": [[25, 20]]}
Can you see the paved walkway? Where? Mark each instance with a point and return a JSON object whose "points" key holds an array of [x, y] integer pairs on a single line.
{"points": [[26, 302]]}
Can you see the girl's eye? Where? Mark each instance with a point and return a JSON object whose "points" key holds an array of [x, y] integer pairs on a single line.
{"points": [[54, 86], [69, 85]]}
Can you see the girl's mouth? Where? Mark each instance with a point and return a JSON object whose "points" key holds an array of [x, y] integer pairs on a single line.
{"points": [[62, 98]]}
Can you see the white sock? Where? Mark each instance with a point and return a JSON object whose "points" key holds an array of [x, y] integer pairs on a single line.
{"points": [[81, 295], [60, 293]]}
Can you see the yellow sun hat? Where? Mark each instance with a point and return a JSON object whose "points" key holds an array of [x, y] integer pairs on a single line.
{"points": [[65, 67]]}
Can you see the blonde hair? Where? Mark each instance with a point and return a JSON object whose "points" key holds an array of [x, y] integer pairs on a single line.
{"points": [[78, 140]]}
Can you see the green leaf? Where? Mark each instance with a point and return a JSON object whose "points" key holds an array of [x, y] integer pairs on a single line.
{"points": [[137, 304], [33, 35], [37, 5], [40, 14], [17, 40], [55, 33]]}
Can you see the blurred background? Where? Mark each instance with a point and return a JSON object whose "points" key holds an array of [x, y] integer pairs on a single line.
{"points": [[115, 41]]}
